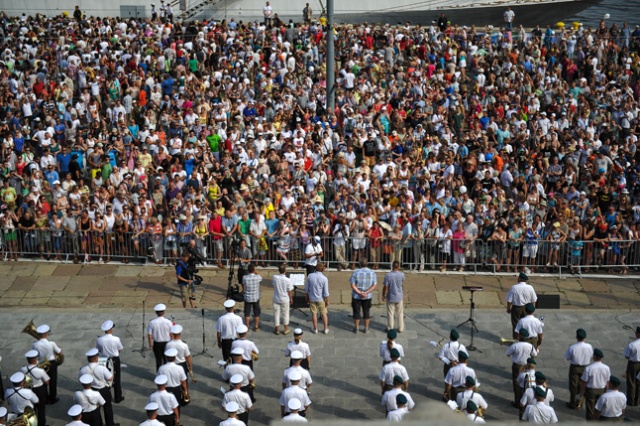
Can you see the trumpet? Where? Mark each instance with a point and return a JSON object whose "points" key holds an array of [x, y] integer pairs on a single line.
{"points": [[506, 342], [439, 343]]}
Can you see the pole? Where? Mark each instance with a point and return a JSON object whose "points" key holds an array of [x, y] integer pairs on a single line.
{"points": [[331, 59]]}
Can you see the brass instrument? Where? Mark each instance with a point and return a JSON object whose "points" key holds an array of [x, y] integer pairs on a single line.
{"points": [[192, 377], [441, 341], [30, 329], [507, 342], [255, 356], [186, 398], [480, 412], [28, 418]]}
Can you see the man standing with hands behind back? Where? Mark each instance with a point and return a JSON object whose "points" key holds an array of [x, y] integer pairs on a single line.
{"points": [[363, 282], [393, 295], [316, 289], [517, 298]]}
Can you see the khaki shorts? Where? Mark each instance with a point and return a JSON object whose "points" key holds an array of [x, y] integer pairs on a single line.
{"points": [[185, 292], [318, 307]]}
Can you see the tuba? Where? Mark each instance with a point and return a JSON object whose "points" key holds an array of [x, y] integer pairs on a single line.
{"points": [[30, 329], [28, 418], [507, 342]]}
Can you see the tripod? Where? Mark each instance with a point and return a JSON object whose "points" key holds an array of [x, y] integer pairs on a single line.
{"points": [[142, 349], [204, 346], [233, 290], [471, 319]]}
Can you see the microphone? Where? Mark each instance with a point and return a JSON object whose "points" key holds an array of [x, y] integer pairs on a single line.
{"points": [[203, 312]]}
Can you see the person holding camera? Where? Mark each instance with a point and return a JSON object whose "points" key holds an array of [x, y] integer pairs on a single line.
{"points": [[184, 276]]}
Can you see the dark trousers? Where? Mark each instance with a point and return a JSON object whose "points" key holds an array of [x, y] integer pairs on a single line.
{"points": [[158, 352], [515, 372], [517, 312], [226, 348], [610, 419], [310, 270], [446, 368], [244, 417], [53, 381], [92, 418], [455, 391], [107, 408], [590, 398], [177, 392], [575, 372], [633, 368], [250, 364], [249, 390], [169, 420], [1, 387], [41, 411], [117, 379]]}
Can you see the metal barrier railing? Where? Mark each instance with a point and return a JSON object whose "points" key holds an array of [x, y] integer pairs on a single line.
{"points": [[579, 257]]}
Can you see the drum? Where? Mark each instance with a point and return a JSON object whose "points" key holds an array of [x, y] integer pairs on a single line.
{"points": [[106, 362]]}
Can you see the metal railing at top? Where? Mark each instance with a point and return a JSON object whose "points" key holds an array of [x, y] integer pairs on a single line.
{"points": [[428, 254]]}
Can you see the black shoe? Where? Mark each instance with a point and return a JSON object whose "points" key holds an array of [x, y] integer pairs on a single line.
{"points": [[118, 401]]}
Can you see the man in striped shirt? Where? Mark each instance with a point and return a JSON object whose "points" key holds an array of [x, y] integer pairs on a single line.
{"points": [[363, 282], [251, 288]]}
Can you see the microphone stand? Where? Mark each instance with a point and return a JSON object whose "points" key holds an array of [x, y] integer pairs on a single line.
{"points": [[204, 346], [142, 348]]}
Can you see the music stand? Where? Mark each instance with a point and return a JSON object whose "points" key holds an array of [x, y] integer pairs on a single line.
{"points": [[299, 301], [204, 346], [142, 348], [471, 319]]}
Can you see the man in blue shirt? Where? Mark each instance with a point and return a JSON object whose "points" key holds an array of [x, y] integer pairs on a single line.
{"points": [[392, 293], [63, 158], [184, 278], [363, 282], [51, 175], [316, 290]]}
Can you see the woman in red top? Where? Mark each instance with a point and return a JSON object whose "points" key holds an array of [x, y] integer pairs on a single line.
{"points": [[376, 234]]}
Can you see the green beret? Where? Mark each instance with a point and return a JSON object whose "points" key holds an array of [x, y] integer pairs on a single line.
{"points": [[581, 334], [540, 376], [614, 381], [401, 399], [469, 381], [394, 353], [463, 355], [637, 330], [523, 277], [540, 391], [531, 361], [598, 353], [524, 332], [529, 307], [454, 335], [398, 379], [471, 406], [392, 334]]}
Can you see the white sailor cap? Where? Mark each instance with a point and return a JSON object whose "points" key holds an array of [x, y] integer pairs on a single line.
{"points": [[176, 329], [75, 410], [242, 329], [161, 379], [86, 379], [92, 352], [237, 351], [44, 328], [294, 404], [152, 406], [160, 307], [295, 376], [235, 379], [229, 303], [296, 355], [17, 378], [297, 331], [31, 354], [232, 407], [3, 412], [107, 325], [171, 352]]}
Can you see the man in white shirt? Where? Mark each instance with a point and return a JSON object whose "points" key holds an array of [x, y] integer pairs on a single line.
{"points": [[398, 414], [611, 405], [632, 354], [267, 12], [75, 412], [540, 412], [18, 397], [517, 297], [593, 383], [282, 298], [110, 346], [152, 415], [579, 355], [294, 405], [232, 411]]}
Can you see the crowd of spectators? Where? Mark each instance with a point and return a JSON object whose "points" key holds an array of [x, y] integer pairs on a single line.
{"points": [[448, 144]]}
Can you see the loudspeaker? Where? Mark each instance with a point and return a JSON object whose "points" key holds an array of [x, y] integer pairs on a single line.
{"points": [[548, 301], [299, 301]]}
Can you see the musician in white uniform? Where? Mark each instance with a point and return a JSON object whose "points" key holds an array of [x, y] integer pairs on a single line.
{"points": [[519, 352], [237, 367], [294, 405], [398, 414], [389, 397], [387, 345], [152, 415], [110, 346], [299, 345], [611, 405], [75, 412], [158, 332], [579, 355], [449, 352], [3, 415], [183, 359], [102, 380], [90, 401], [456, 377], [632, 354], [18, 397], [176, 377], [389, 371], [532, 324], [529, 396], [305, 382], [471, 411], [594, 382], [518, 296], [540, 412], [168, 405], [39, 381], [294, 391], [248, 346], [470, 394], [47, 351], [227, 328], [242, 398], [232, 410]]}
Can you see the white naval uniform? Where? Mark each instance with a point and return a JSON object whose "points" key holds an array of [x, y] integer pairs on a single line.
{"points": [[632, 351], [89, 400], [522, 293], [449, 351], [227, 326], [294, 392], [242, 398], [530, 323], [391, 370], [303, 347], [232, 421], [242, 369], [182, 348], [160, 329], [470, 395], [520, 351], [457, 375], [596, 375], [305, 381], [247, 345], [101, 376], [539, 413], [386, 354], [19, 399], [474, 418], [38, 376], [529, 396], [109, 345], [611, 403], [527, 379], [154, 422], [166, 401], [389, 399], [76, 423], [580, 353], [175, 374], [294, 417], [397, 414], [47, 350]]}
